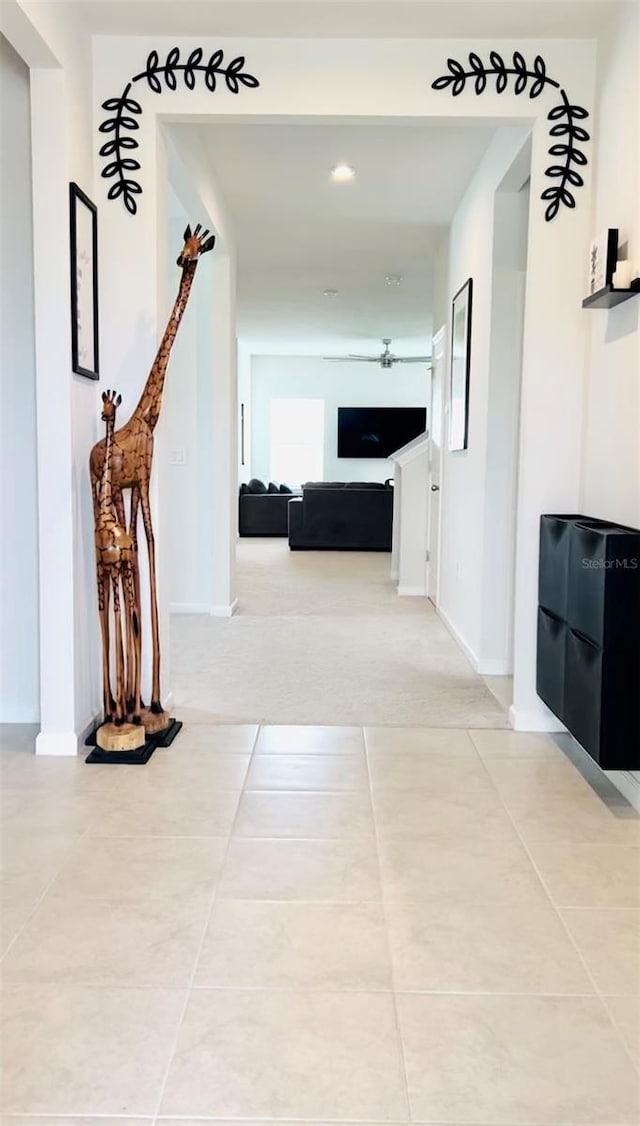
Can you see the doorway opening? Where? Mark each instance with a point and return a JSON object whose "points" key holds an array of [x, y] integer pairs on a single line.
{"points": [[329, 270]]}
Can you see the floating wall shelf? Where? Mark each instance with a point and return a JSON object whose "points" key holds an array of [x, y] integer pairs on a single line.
{"points": [[608, 297]]}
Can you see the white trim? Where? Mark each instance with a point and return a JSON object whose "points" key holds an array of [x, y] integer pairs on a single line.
{"points": [[534, 720], [494, 667], [89, 726], [411, 450], [224, 611], [190, 608], [490, 667], [413, 591], [468, 652], [395, 576], [221, 611], [627, 784], [57, 743]]}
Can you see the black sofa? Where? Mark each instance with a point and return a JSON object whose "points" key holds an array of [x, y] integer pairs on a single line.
{"points": [[331, 516], [262, 509]]}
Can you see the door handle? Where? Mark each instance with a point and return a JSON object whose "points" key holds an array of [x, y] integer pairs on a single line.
{"points": [[435, 488]]}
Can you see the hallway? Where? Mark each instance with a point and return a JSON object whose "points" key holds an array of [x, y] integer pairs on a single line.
{"points": [[328, 924], [323, 636]]}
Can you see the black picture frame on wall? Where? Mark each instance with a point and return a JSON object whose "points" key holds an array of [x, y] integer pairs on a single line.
{"points": [[460, 367], [83, 234]]}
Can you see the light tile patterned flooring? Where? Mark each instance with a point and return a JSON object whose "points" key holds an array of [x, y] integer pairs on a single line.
{"points": [[326, 924]]}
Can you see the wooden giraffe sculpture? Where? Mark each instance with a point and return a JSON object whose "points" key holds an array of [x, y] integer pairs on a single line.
{"points": [[132, 459], [115, 566]]}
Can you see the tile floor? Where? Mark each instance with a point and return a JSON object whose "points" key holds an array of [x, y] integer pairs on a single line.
{"points": [[333, 925]]}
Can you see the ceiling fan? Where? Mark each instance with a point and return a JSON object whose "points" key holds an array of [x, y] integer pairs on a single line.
{"points": [[386, 359]]}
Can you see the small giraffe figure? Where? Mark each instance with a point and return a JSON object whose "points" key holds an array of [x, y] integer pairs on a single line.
{"points": [[114, 566], [132, 459]]}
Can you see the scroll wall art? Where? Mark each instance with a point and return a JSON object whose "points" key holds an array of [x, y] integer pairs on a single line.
{"points": [[125, 110], [566, 129], [511, 76]]}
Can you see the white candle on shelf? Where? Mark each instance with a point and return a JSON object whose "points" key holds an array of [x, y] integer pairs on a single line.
{"points": [[623, 276]]}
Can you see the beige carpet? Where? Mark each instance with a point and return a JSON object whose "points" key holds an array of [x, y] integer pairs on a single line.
{"points": [[323, 638]]}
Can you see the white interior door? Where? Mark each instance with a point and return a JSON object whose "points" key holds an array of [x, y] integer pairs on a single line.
{"points": [[435, 463]]}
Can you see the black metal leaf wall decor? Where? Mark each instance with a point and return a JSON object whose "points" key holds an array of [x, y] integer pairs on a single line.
{"points": [[565, 116], [124, 112]]}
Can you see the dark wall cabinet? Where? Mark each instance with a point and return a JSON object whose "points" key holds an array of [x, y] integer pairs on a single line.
{"points": [[588, 659]]}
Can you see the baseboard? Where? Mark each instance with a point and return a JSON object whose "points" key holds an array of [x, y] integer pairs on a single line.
{"points": [[494, 668], [224, 611], [412, 590], [221, 611], [57, 743], [468, 652], [545, 720], [627, 784], [189, 608]]}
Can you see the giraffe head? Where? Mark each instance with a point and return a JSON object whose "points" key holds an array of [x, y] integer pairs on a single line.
{"points": [[110, 403], [194, 245]]}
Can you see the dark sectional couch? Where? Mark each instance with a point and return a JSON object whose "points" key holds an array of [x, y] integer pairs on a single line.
{"points": [[337, 516], [262, 509], [325, 516]]}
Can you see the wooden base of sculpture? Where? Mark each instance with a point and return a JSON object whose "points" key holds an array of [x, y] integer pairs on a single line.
{"points": [[165, 738], [138, 755], [155, 723], [123, 737], [126, 743]]}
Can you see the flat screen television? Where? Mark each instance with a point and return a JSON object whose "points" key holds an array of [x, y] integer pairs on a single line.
{"points": [[378, 431]]}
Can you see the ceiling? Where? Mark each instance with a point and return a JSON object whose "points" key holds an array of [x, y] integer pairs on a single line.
{"points": [[340, 18], [298, 233]]}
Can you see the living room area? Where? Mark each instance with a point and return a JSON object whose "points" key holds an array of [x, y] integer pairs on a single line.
{"points": [[319, 469]]}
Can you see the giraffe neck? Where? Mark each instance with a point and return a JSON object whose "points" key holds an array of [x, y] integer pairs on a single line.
{"points": [[106, 495], [148, 408]]}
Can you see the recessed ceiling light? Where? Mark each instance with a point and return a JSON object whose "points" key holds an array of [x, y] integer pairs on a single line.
{"points": [[342, 173], [393, 279], [330, 292]]}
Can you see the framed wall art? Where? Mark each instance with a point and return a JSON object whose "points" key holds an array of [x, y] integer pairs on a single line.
{"points": [[603, 255], [460, 367], [83, 219]]}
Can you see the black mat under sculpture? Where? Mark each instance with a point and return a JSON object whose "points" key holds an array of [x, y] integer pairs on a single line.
{"points": [[140, 755]]}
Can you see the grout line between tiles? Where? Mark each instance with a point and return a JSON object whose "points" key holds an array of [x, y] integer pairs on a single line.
{"points": [[558, 912], [209, 915], [396, 1014]]}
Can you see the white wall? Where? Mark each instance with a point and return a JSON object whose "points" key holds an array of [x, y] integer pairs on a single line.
{"points": [[611, 450], [181, 431], [213, 498], [511, 221], [338, 385], [199, 497], [19, 615], [468, 579], [50, 42]]}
